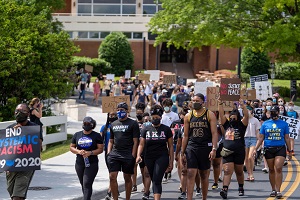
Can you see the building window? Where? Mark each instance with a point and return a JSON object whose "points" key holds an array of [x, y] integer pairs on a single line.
{"points": [[104, 34], [127, 34], [137, 35], [149, 9], [70, 34], [106, 9], [94, 35], [107, 1], [84, 1], [128, 9], [84, 9], [129, 1], [83, 34]]}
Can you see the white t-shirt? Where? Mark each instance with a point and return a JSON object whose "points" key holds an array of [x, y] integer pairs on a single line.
{"points": [[168, 118], [253, 126]]}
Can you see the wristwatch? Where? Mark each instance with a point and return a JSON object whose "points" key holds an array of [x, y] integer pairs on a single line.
{"points": [[214, 148], [92, 153]]}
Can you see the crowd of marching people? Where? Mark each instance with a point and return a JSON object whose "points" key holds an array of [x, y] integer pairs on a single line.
{"points": [[173, 127]]}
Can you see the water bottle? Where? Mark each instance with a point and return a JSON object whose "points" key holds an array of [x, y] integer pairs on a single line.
{"points": [[86, 162]]}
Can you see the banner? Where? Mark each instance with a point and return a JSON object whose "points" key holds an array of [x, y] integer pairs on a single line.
{"points": [[263, 90], [181, 80], [144, 77], [248, 94], [294, 125], [258, 78], [230, 89], [109, 104], [200, 87], [258, 113], [110, 77], [169, 79], [20, 149], [128, 73], [154, 74], [212, 96]]}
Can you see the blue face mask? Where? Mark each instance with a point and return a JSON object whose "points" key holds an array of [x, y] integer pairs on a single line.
{"points": [[121, 114], [167, 109]]}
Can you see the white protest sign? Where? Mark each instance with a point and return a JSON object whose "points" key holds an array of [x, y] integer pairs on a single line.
{"points": [[258, 113], [154, 74], [294, 125], [127, 73], [200, 87], [263, 90], [110, 76]]}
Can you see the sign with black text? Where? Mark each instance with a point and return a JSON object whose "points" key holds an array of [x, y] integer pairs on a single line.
{"points": [[259, 78], [294, 125], [181, 80], [230, 89], [20, 149], [258, 113], [293, 94], [109, 104]]}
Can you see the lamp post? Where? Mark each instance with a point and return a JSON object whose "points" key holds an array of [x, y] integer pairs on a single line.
{"points": [[272, 65]]}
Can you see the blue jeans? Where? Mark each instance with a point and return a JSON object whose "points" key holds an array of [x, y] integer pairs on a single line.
{"points": [[82, 93], [250, 142]]}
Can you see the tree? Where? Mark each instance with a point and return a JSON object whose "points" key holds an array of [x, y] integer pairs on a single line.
{"points": [[287, 71], [116, 50], [266, 25], [254, 62], [34, 56]]}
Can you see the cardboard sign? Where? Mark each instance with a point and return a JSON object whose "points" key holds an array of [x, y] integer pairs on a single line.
{"points": [[89, 68], [144, 77], [181, 81], [200, 87], [258, 113], [200, 80], [263, 90], [212, 96], [20, 149], [169, 79], [154, 74], [258, 78], [127, 73], [230, 89], [248, 94], [110, 104], [294, 125], [110, 76]]}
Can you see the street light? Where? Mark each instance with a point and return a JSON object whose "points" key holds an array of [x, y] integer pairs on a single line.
{"points": [[272, 65]]}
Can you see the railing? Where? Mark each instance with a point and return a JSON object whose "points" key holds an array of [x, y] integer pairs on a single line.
{"points": [[102, 15], [59, 136]]}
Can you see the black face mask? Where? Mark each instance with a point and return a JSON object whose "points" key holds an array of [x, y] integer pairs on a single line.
{"points": [[233, 122], [182, 120], [156, 122], [139, 117], [21, 117], [87, 127], [112, 119], [197, 105], [274, 115]]}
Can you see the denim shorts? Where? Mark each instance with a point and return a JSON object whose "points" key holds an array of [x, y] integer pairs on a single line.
{"points": [[250, 142]]}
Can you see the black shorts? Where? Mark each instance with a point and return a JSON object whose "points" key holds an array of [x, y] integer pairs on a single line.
{"points": [[198, 158], [218, 155], [118, 164], [142, 164], [272, 152], [237, 157]]}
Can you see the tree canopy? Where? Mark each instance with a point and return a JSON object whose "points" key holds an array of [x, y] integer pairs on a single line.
{"points": [[266, 25], [35, 54]]}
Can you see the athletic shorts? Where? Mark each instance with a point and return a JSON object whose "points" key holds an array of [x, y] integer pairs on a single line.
{"points": [[198, 158], [237, 157], [118, 164], [272, 152], [142, 164], [18, 183], [250, 142], [218, 155]]}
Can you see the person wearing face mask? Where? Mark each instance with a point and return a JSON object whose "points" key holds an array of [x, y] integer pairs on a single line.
{"points": [[275, 134], [293, 114], [36, 112], [97, 89], [18, 181], [121, 150], [87, 144], [233, 150], [267, 114], [199, 144], [141, 97], [157, 143], [181, 97], [163, 96]]}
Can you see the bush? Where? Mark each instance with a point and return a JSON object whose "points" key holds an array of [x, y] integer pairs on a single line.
{"points": [[287, 71], [99, 65], [245, 78], [284, 91], [254, 62]]}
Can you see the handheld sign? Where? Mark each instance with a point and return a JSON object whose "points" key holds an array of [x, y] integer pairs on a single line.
{"points": [[200, 87], [230, 89], [144, 77], [89, 68], [258, 113], [259, 78], [212, 96], [110, 76], [154, 74], [127, 73], [169, 79], [20, 149], [247, 94], [181, 81], [110, 104], [263, 90], [294, 125]]}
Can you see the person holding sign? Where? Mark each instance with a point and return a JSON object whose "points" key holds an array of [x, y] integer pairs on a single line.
{"points": [[87, 144], [293, 114], [275, 135], [233, 150], [19, 181]]}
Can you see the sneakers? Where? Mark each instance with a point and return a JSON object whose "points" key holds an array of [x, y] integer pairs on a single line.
{"points": [[220, 179], [169, 175], [134, 188], [278, 195], [241, 191], [273, 193], [145, 196], [265, 170], [198, 192], [223, 194], [182, 196], [215, 186], [108, 196], [285, 163], [165, 181]]}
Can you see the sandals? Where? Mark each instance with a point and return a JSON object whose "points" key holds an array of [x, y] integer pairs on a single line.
{"points": [[250, 178], [273, 193]]}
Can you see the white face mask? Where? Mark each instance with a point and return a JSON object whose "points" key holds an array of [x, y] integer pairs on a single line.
{"points": [[291, 107], [281, 112], [268, 107]]}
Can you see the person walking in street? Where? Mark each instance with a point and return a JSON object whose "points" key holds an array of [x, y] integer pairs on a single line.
{"points": [[36, 112], [233, 151], [87, 144], [122, 149], [199, 144], [275, 135], [97, 89], [82, 87], [157, 143]]}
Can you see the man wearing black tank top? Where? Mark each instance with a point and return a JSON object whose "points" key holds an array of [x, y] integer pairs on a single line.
{"points": [[199, 144]]}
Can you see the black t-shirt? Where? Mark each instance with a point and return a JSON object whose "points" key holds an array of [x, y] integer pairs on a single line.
{"points": [[177, 129], [265, 118], [161, 98], [34, 118], [29, 123], [123, 132], [182, 97], [234, 136], [87, 142], [156, 141]]}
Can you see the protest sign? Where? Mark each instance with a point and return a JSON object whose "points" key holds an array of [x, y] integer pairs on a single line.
{"points": [[181, 81], [169, 79], [259, 78], [230, 89], [212, 96], [200, 87], [154, 74], [294, 125], [127, 73], [137, 72], [258, 113], [20, 149], [247, 94], [110, 104], [89, 68], [293, 93], [263, 90], [144, 77], [110, 76]]}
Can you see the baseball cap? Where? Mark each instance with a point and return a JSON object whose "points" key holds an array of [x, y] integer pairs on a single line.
{"points": [[274, 108], [164, 91], [123, 105]]}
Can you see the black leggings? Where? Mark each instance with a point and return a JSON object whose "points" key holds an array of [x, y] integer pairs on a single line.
{"points": [[157, 168], [86, 177]]}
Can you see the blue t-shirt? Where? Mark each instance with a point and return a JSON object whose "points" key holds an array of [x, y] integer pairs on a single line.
{"points": [[274, 131], [107, 136]]}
